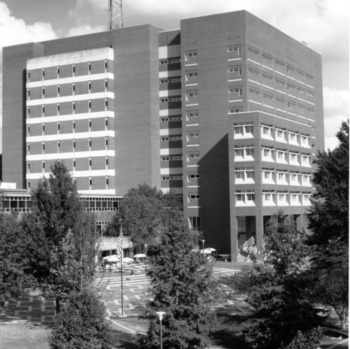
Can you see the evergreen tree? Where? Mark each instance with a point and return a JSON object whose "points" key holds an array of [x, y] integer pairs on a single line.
{"points": [[329, 222], [281, 288], [81, 324], [180, 282], [14, 275], [62, 248]]}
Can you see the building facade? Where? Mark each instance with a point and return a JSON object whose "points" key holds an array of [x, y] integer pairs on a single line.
{"points": [[227, 112]]}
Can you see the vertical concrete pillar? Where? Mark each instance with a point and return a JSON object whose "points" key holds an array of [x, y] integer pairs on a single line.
{"points": [[234, 239], [259, 228]]}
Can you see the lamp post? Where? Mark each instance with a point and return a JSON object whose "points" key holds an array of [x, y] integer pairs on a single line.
{"points": [[160, 316], [121, 264], [203, 241], [146, 257]]}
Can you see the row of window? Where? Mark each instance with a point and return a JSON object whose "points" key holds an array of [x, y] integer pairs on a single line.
{"points": [[281, 84], [58, 90], [246, 130], [290, 105], [74, 164], [246, 153], [58, 108], [58, 144], [280, 65], [271, 198], [58, 127], [190, 136], [272, 176], [58, 70]]}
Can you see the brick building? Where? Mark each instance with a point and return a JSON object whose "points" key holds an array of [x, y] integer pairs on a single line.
{"points": [[227, 111]]}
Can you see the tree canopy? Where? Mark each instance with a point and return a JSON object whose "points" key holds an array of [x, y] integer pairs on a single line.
{"points": [[281, 289], [63, 240], [180, 282], [329, 222], [145, 212]]}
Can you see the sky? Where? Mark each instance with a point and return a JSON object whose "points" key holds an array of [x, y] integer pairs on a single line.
{"points": [[322, 24]]}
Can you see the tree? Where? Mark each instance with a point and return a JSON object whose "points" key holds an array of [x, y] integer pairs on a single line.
{"points": [[14, 275], [144, 212], [281, 288], [329, 222], [81, 324], [63, 240], [180, 282]]}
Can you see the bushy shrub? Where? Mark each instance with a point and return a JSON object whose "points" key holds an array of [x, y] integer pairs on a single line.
{"points": [[81, 324]]}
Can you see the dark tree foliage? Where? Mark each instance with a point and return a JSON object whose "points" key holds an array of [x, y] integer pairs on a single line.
{"points": [[81, 324], [14, 275], [281, 288], [180, 281], [329, 222], [145, 211], [62, 238], [329, 214]]}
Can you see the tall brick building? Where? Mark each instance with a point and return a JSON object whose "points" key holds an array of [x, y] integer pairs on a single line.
{"points": [[227, 112]]}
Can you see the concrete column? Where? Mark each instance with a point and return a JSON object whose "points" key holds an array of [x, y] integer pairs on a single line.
{"points": [[234, 238], [259, 228]]}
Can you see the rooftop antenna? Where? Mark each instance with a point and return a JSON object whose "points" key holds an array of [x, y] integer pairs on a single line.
{"points": [[115, 14]]}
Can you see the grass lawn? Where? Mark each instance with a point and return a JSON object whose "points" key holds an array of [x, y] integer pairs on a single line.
{"points": [[20, 335]]}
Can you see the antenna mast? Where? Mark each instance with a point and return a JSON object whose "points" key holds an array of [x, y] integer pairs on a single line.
{"points": [[115, 14]]}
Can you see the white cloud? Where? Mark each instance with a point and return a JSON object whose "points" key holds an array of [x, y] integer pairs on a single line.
{"points": [[15, 31], [84, 29], [336, 109]]}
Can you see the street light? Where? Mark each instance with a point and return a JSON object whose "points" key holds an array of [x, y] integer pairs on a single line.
{"points": [[203, 241], [160, 316], [146, 257], [121, 264]]}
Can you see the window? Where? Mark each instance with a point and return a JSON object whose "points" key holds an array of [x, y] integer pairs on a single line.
{"points": [[235, 70], [106, 124], [73, 70], [236, 91], [106, 163], [235, 110], [43, 74], [245, 153], [43, 146], [28, 93], [74, 144], [90, 163], [28, 148], [58, 146], [28, 112], [90, 125], [28, 76], [74, 164], [191, 75], [58, 109], [106, 143], [253, 51], [168, 61], [191, 56], [268, 96], [193, 176], [58, 72], [267, 57], [106, 104], [234, 50], [58, 127], [90, 143], [42, 128], [106, 85], [43, 92], [267, 77], [89, 67], [90, 183], [73, 126], [106, 66], [89, 86], [280, 83], [43, 166], [28, 166], [192, 135], [107, 182], [73, 89], [252, 91], [89, 106], [193, 114]]}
